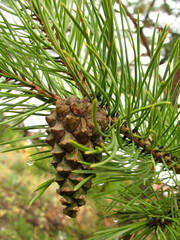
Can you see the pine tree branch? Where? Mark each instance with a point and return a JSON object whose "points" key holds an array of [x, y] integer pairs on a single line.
{"points": [[157, 153], [67, 61], [149, 10], [24, 82], [146, 45], [143, 37], [121, 163]]}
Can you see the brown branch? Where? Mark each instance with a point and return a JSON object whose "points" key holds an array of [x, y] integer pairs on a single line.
{"points": [[175, 82], [142, 36], [157, 153], [149, 9], [145, 43], [79, 74], [24, 82]]}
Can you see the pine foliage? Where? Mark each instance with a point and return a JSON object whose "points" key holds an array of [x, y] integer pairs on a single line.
{"points": [[63, 49]]}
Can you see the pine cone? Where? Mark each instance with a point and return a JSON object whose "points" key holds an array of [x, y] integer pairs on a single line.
{"points": [[72, 119]]}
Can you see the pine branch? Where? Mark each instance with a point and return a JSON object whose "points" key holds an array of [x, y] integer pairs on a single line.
{"points": [[158, 154], [143, 37], [65, 60], [21, 80], [68, 62], [68, 55]]}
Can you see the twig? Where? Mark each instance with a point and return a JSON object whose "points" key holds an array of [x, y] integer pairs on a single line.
{"points": [[132, 236], [143, 37], [35, 233], [32, 85], [149, 9], [145, 43], [156, 152], [79, 74]]}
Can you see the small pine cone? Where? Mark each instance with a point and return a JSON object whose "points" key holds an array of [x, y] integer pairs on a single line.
{"points": [[72, 119]]}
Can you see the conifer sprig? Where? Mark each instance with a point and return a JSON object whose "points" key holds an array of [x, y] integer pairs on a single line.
{"points": [[55, 49]]}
